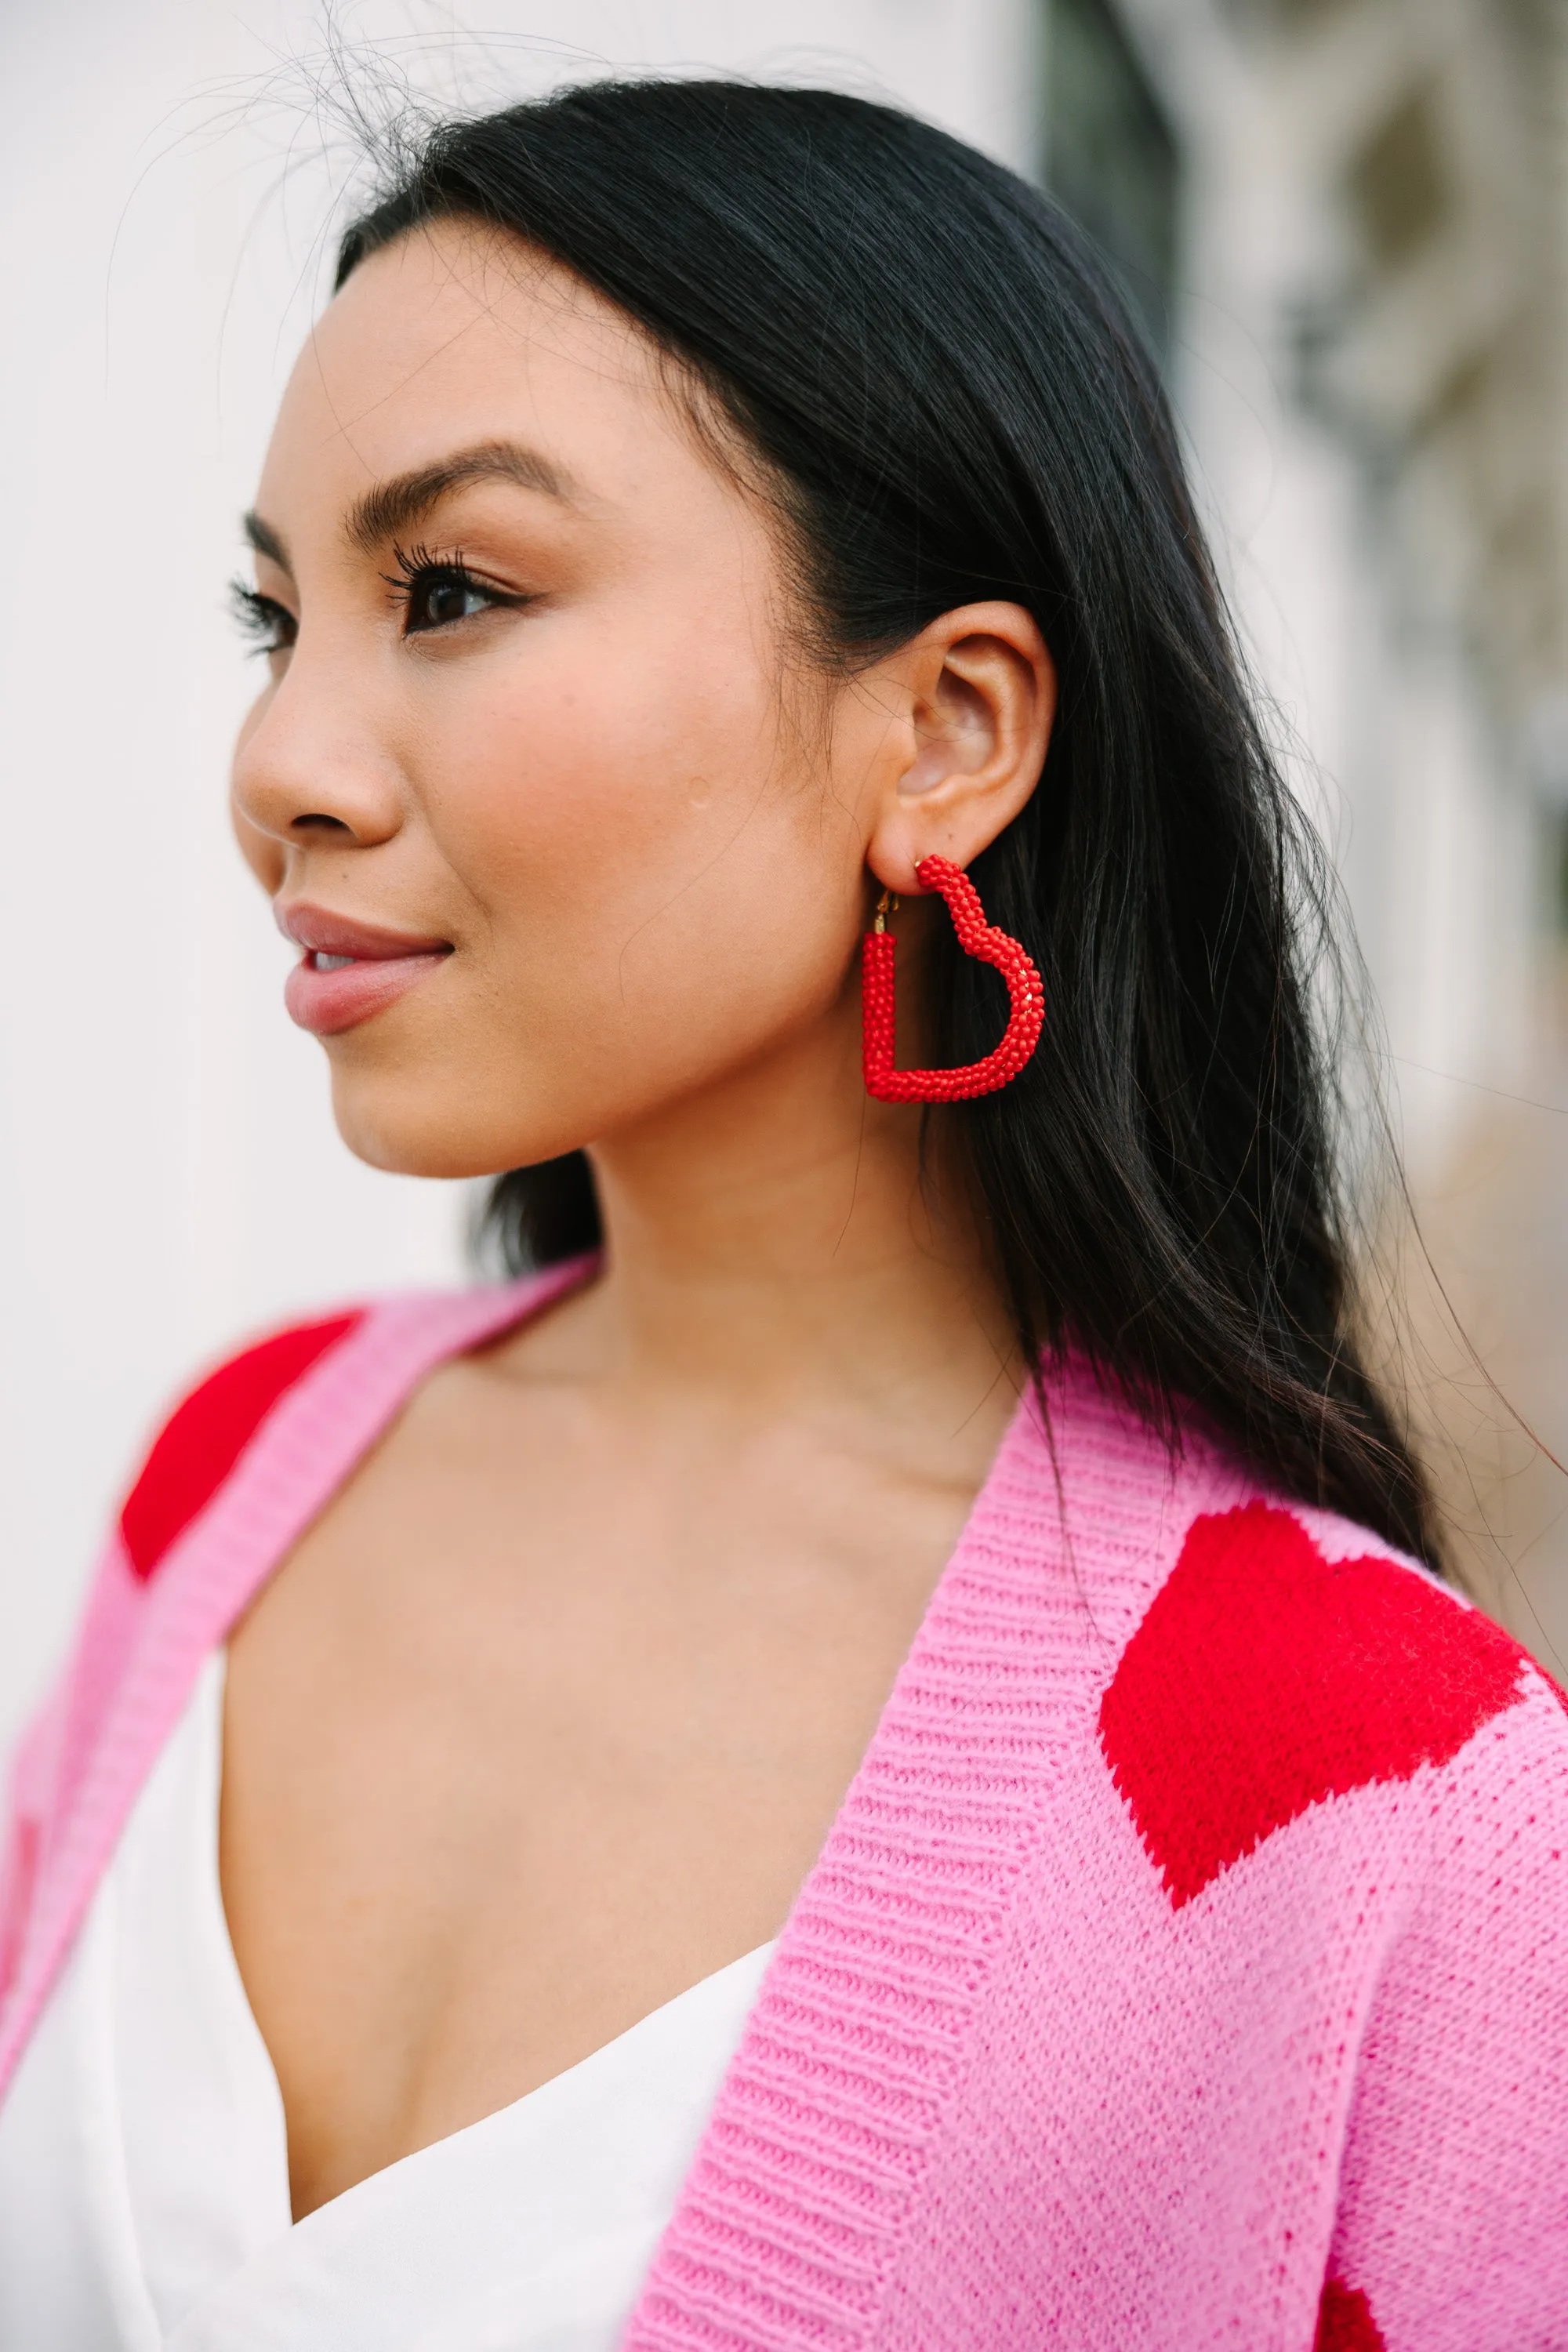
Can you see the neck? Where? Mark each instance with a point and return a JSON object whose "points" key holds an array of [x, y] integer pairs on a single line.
{"points": [[775, 1240]]}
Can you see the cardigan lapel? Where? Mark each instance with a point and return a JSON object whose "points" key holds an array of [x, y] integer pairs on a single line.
{"points": [[143, 1644], [791, 2219]]}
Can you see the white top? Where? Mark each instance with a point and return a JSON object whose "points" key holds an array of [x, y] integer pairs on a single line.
{"points": [[143, 2167]]}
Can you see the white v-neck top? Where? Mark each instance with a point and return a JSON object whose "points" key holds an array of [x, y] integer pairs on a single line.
{"points": [[143, 2168]]}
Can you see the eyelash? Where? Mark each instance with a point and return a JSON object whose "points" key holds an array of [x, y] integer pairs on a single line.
{"points": [[418, 569], [272, 628], [268, 623]]}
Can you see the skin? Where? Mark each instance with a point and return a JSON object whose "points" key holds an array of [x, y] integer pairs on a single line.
{"points": [[545, 1718]]}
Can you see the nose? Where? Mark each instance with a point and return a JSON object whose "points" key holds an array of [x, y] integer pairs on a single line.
{"points": [[311, 768]]}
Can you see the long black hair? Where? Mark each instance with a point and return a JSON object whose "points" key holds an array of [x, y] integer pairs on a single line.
{"points": [[947, 389]]}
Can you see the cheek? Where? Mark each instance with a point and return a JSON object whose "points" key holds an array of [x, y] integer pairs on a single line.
{"points": [[617, 770], [572, 772], [659, 873]]}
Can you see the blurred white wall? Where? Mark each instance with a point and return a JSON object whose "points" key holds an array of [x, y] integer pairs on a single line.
{"points": [[1380, 705], [169, 1175]]}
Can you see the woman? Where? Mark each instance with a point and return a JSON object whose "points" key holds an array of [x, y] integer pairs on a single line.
{"points": [[862, 1756]]}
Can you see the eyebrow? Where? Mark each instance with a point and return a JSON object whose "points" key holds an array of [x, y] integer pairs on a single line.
{"points": [[395, 506], [392, 507], [262, 536]]}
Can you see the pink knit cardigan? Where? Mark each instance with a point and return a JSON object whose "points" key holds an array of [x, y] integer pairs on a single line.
{"points": [[1187, 1965]]}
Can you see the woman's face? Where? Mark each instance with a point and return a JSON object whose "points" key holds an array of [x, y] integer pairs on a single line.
{"points": [[534, 753]]}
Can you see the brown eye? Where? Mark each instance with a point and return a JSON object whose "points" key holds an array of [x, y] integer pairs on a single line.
{"points": [[438, 597], [437, 591]]}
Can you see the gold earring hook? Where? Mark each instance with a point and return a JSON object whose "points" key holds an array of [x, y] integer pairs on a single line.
{"points": [[887, 904]]}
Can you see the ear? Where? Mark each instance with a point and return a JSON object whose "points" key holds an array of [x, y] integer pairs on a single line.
{"points": [[975, 694]]}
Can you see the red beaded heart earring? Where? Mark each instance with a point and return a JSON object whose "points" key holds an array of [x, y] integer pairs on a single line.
{"points": [[977, 938]]}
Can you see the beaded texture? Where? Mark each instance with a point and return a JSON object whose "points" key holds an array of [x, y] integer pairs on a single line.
{"points": [[980, 940]]}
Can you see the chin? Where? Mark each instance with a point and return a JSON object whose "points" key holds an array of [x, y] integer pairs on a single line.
{"points": [[412, 1134], [408, 1134]]}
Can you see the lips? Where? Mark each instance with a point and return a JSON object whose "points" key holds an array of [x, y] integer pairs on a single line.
{"points": [[350, 970]]}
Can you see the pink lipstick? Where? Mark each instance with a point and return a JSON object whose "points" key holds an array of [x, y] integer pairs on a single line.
{"points": [[350, 970]]}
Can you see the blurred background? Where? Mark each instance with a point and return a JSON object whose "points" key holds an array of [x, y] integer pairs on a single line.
{"points": [[1346, 224]]}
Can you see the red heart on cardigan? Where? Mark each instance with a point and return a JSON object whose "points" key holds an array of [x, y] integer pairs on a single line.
{"points": [[1266, 1679], [1345, 2323], [204, 1436]]}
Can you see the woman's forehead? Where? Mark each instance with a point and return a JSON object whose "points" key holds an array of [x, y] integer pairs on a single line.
{"points": [[454, 337]]}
